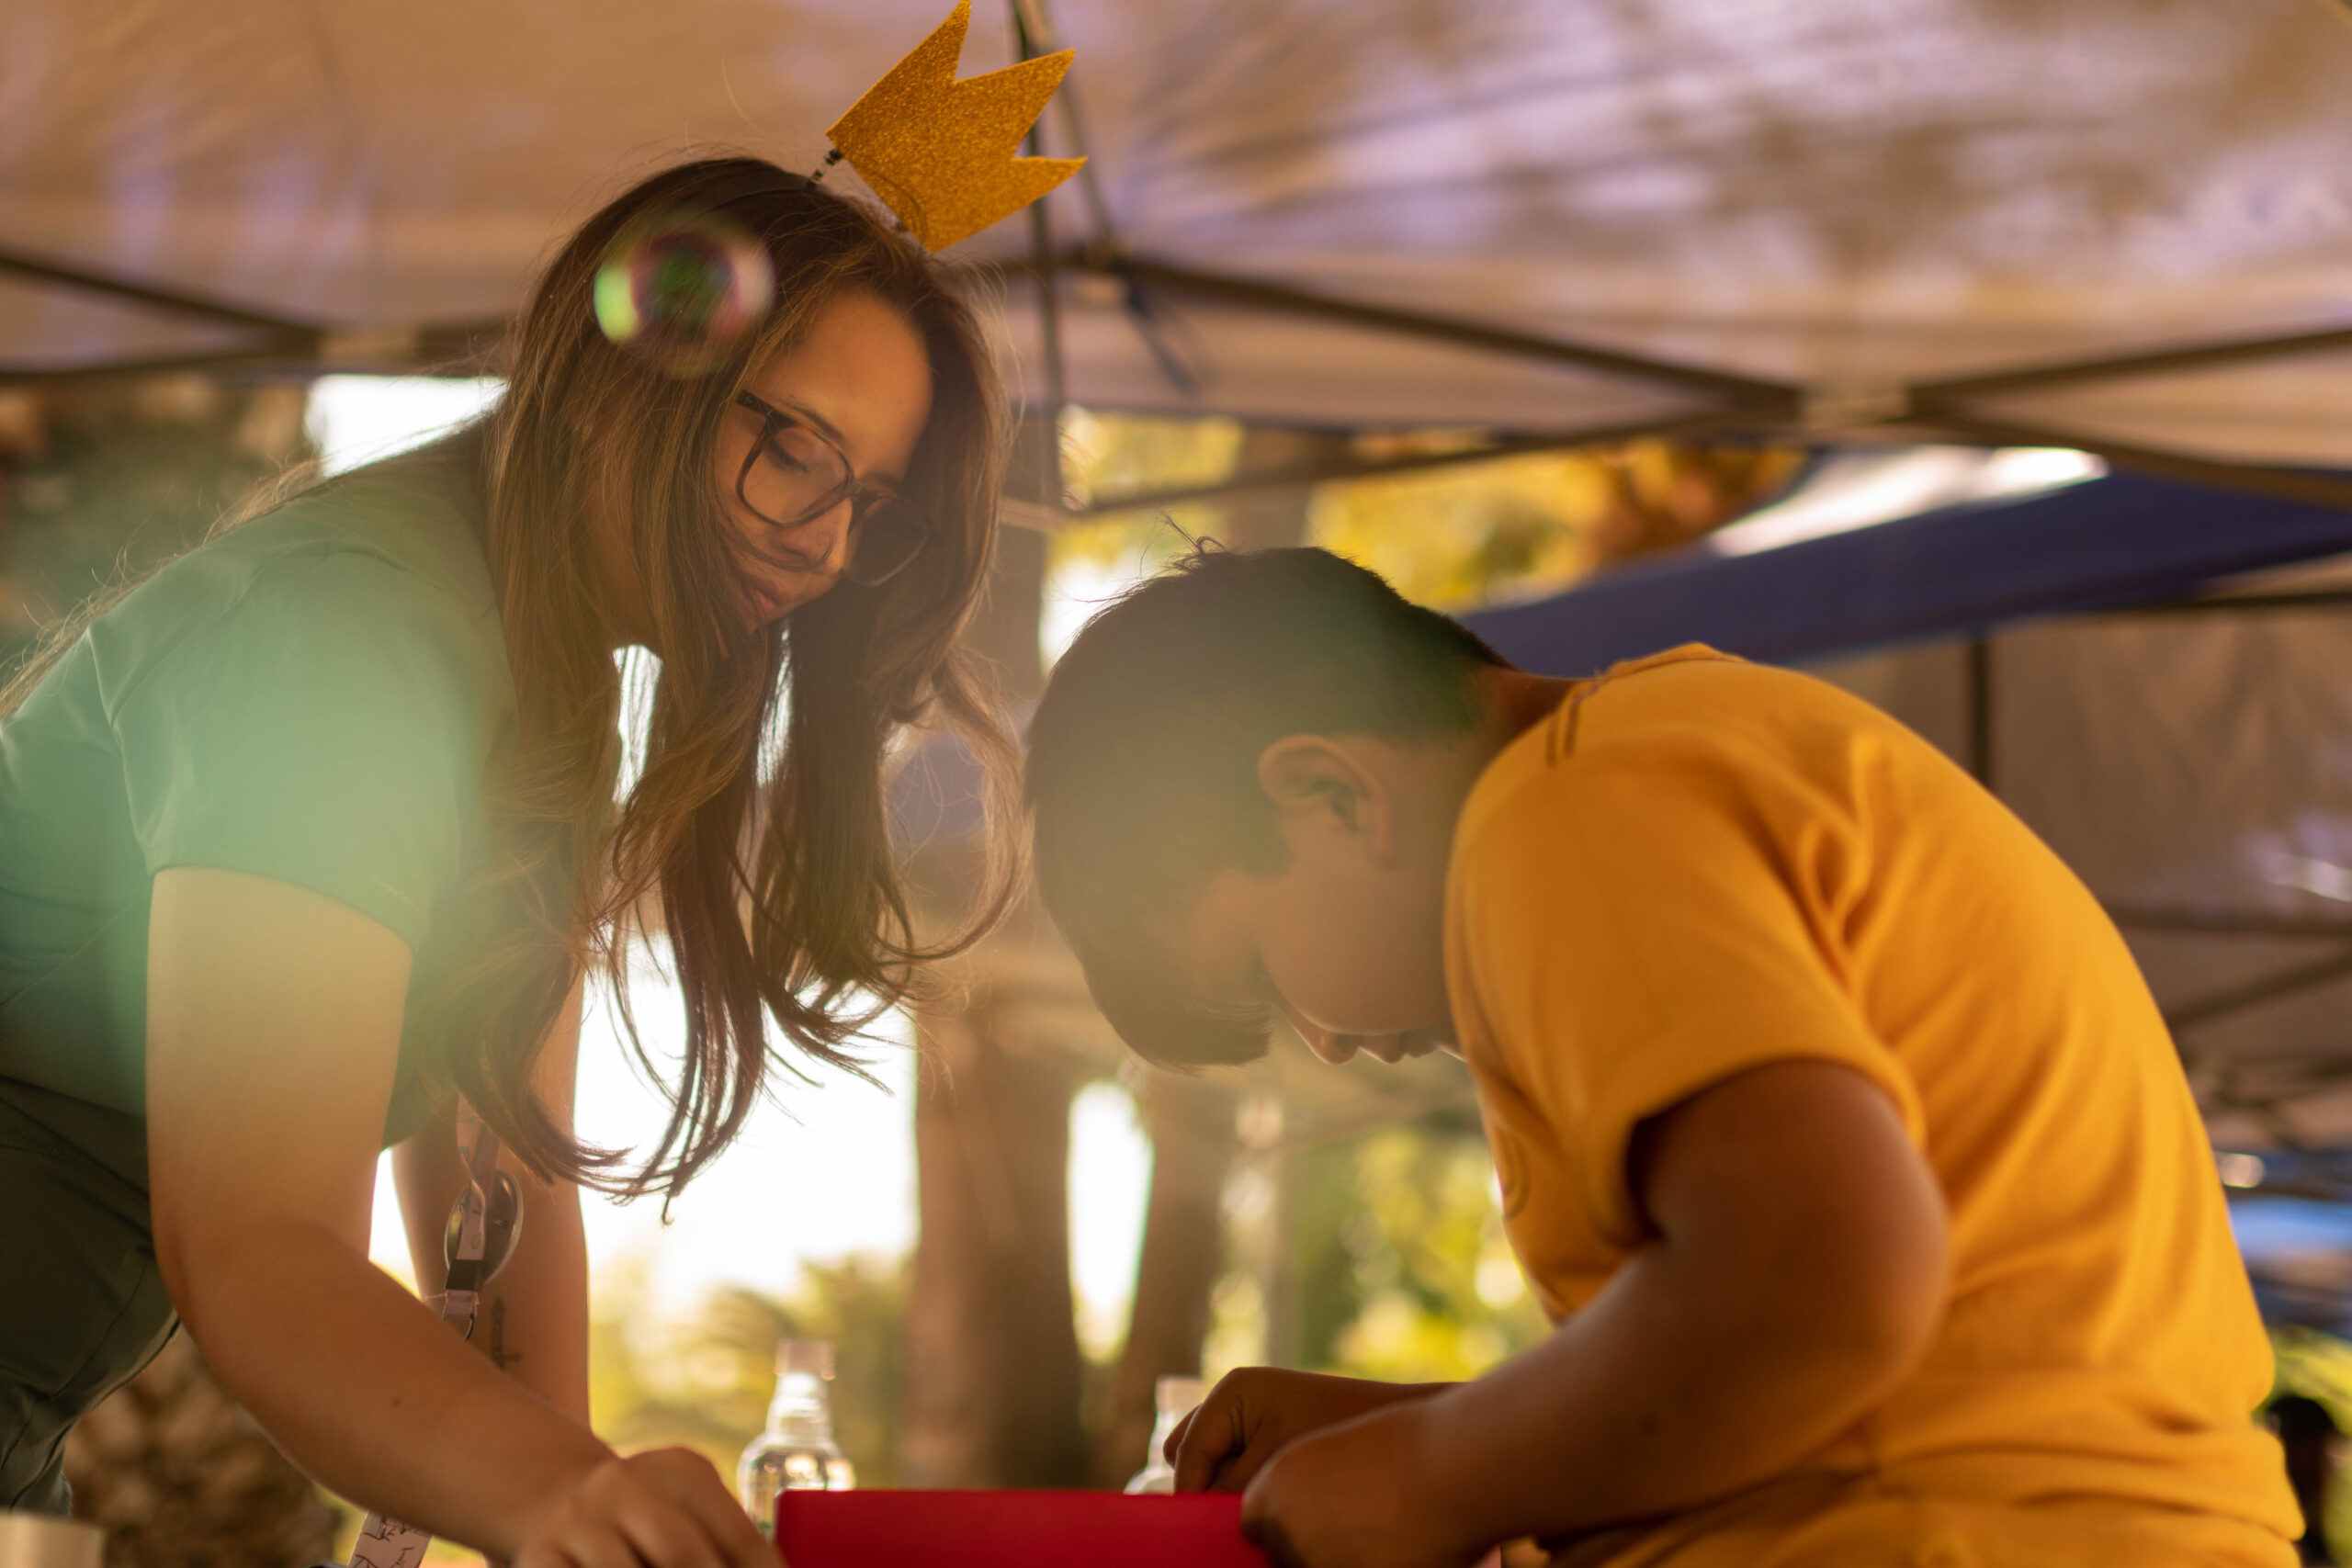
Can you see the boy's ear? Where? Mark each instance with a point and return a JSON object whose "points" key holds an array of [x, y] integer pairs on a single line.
{"points": [[1308, 772]]}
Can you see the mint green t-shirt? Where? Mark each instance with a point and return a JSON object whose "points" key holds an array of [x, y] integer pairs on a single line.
{"points": [[313, 697]]}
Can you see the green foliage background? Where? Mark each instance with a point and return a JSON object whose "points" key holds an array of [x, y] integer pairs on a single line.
{"points": [[1396, 1257], [703, 1381], [2319, 1366]]}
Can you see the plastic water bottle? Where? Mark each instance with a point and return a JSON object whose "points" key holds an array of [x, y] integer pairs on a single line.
{"points": [[1175, 1398], [796, 1453]]}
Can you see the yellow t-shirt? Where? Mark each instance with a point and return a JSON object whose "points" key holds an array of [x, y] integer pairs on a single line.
{"points": [[1697, 865]]}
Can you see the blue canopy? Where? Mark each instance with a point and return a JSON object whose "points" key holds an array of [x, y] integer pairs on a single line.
{"points": [[2103, 544]]}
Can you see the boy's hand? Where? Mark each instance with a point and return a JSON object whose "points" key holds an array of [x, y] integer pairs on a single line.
{"points": [[1252, 1413], [1362, 1495]]}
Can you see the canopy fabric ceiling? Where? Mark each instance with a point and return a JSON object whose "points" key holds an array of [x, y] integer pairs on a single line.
{"points": [[1851, 194]]}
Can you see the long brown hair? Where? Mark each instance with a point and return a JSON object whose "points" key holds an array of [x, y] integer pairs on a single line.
{"points": [[780, 897], [768, 867]]}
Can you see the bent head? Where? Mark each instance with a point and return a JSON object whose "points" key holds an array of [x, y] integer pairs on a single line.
{"points": [[796, 516], [854, 420], [813, 459], [1243, 780]]}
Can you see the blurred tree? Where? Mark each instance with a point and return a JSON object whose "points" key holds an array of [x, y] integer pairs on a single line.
{"points": [[1382, 1256], [103, 479], [1190, 1122], [1664, 495], [179, 1476], [1439, 1294], [1105, 455], [1321, 1217], [2319, 1366], [1459, 536], [994, 1394]]}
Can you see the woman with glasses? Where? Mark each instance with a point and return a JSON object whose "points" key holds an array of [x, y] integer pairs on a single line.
{"points": [[311, 838]]}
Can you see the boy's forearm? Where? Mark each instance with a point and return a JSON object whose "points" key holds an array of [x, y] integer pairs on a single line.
{"points": [[1649, 1401], [1798, 1273]]}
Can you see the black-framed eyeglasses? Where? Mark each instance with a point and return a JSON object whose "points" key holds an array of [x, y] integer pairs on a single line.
{"points": [[793, 474]]}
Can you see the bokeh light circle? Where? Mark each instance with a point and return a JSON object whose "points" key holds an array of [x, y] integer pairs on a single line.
{"points": [[680, 289]]}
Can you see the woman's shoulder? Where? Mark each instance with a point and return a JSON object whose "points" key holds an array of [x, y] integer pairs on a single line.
{"points": [[375, 557], [419, 515]]}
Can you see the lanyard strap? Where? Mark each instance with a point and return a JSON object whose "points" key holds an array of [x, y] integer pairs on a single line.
{"points": [[384, 1541], [462, 1297]]}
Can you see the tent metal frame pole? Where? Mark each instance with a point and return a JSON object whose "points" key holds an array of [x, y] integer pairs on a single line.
{"points": [[1980, 710], [2271, 988], [227, 359], [1030, 17], [2192, 923], [2275, 483], [1049, 319], [2146, 362], [88, 280], [1291, 299], [459, 348]]}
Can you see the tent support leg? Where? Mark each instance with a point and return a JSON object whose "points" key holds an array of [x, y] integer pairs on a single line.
{"points": [[1980, 710], [1049, 317]]}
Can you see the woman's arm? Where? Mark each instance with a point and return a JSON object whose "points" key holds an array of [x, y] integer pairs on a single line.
{"points": [[274, 1019], [533, 1320]]}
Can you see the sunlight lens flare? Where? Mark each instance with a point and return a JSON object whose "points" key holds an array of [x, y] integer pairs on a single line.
{"points": [[680, 289]]}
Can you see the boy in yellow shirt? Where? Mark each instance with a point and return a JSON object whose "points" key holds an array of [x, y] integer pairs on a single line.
{"points": [[1837, 1131]]}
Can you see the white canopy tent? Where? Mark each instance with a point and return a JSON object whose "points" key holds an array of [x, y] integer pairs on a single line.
{"points": [[2119, 224], [1544, 217]]}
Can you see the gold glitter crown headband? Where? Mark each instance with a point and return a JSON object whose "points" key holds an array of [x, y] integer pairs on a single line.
{"points": [[940, 153]]}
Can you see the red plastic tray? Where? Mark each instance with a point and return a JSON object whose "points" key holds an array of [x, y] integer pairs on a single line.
{"points": [[1011, 1529]]}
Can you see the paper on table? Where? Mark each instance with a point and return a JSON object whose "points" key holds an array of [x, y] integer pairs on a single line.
{"points": [[1010, 1530]]}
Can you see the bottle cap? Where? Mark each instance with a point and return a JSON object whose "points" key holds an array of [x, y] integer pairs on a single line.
{"points": [[813, 1358]]}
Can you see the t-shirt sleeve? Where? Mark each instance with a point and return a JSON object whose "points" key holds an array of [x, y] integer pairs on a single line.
{"points": [[1650, 923], [322, 730]]}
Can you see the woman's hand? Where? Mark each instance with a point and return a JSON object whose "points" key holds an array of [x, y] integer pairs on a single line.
{"points": [[667, 1508], [1360, 1494], [1252, 1413]]}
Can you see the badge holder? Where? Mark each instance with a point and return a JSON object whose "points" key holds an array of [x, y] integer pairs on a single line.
{"points": [[477, 1241]]}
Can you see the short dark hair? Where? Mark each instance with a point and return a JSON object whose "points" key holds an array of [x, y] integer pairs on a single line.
{"points": [[1142, 777]]}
